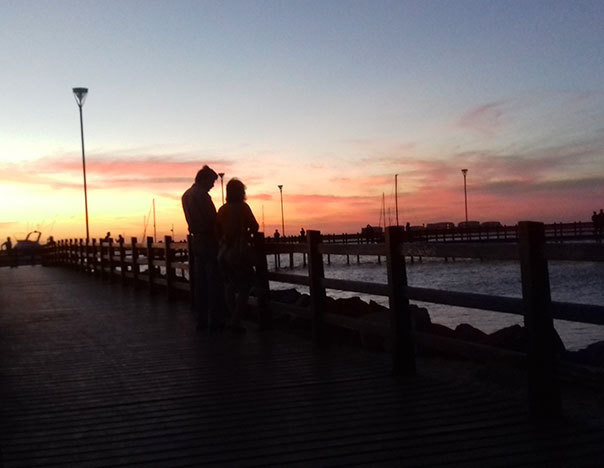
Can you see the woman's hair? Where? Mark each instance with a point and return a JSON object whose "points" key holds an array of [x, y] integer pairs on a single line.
{"points": [[235, 191]]}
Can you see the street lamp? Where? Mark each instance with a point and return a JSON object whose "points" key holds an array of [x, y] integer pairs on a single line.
{"points": [[396, 196], [282, 219], [80, 97], [465, 193], [221, 174]]}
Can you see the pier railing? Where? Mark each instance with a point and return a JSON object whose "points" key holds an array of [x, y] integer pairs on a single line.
{"points": [[166, 266], [555, 232]]}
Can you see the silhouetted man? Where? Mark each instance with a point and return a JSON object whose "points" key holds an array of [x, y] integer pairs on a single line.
{"points": [[200, 213], [276, 235], [8, 244]]}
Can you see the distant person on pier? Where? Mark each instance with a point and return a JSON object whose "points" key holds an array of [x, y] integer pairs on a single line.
{"points": [[120, 239], [107, 237], [200, 214], [236, 228], [302, 234], [276, 235], [8, 245]]}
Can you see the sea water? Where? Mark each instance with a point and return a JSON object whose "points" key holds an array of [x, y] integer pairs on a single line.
{"points": [[577, 282]]}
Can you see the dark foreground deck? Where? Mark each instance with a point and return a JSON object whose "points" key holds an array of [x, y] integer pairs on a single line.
{"points": [[94, 374]]}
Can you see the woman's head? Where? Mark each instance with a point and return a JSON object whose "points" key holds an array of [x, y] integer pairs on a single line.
{"points": [[235, 191]]}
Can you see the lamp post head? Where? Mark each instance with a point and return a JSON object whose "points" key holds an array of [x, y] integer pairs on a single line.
{"points": [[465, 171], [280, 187], [80, 95], [221, 174]]}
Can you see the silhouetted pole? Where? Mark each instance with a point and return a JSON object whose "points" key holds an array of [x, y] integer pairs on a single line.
{"points": [[80, 97], [396, 196], [282, 218], [154, 225], [221, 174], [465, 193]]}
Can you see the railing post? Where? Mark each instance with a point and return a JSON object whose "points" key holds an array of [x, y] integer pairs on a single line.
{"points": [[262, 283], [150, 267], [70, 252], [134, 265], [95, 260], [102, 259], [544, 392], [168, 262], [317, 290], [81, 254], [403, 352], [110, 259], [123, 266], [191, 258]]}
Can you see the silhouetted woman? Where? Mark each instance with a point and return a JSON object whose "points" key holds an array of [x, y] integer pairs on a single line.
{"points": [[236, 227]]}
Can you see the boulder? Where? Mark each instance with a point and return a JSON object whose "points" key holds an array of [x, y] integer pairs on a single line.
{"points": [[441, 330], [287, 296], [513, 338], [375, 308], [467, 332], [420, 318], [592, 355], [303, 301], [350, 307]]}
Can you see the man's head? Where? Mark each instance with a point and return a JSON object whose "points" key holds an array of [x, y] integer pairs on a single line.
{"points": [[206, 177]]}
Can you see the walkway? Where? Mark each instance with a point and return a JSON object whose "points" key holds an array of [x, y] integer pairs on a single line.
{"points": [[94, 374]]}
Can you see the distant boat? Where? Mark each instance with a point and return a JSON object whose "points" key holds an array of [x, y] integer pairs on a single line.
{"points": [[29, 246]]}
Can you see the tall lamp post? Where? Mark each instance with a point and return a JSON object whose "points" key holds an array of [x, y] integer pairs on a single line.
{"points": [[221, 174], [282, 218], [465, 193], [80, 97], [396, 196]]}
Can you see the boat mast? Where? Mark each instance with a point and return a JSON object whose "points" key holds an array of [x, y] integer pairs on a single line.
{"points": [[154, 229]]}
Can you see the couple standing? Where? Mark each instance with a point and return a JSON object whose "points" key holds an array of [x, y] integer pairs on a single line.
{"points": [[220, 242]]}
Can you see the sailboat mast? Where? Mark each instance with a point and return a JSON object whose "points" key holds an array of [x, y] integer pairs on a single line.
{"points": [[384, 210], [154, 228]]}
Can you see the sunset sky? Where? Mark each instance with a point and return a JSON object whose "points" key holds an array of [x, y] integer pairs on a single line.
{"points": [[329, 98]]}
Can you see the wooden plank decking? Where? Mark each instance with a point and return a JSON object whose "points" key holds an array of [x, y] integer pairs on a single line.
{"points": [[94, 374]]}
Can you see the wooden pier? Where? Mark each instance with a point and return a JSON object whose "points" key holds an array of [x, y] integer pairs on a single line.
{"points": [[95, 374]]}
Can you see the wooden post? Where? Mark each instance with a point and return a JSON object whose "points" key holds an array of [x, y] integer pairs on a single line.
{"points": [[76, 252], [95, 259], [81, 255], [110, 259], [317, 290], [262, 283], [102, 258], [150, 267], [87, 268], [70, 252], [291, 260], [403, 352], [134, 265], [304, 259], [123, 266], [168, 260], [542, 356]]}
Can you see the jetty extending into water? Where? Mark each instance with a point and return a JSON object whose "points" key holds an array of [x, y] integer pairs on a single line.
{"points": [[96, 374]]}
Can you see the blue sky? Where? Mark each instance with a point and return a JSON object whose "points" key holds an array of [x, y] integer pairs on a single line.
{"points": [[330, 98]]}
